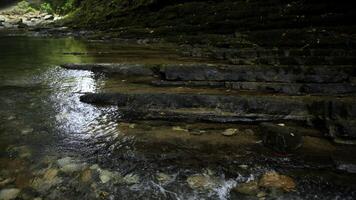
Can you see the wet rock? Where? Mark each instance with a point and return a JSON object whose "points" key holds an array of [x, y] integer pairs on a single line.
{"points": [[264, 73], [6, 182], [249, 188], [230, 132], [106, 176], [342, 128], [274, 180], [21, 151], [48, 17], [178, 128], [243, 166], [122, 69], [203, 107], [86, 176], [345, 162], [261, 194], [281, 138], [249, 132], [201, 182], [131, 179], [344, 141], [68, 165], [163, 178], [8, 194], [15, 21], [95, 167], [48, 180], [26, 131], [2, 19]]}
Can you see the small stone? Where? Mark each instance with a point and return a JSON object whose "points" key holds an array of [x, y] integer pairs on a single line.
{"points": [[105, 176], [70, 168], [275, 180], [230, 132], [26, 131], [261, 194], [243, 166], [86, 176], [21, 151], [48, 17], [8, 194], [200, 182], [249, 132], [131, 179], [163, 178], [178, 128], [249, 188], [6, 181], [68, 165], [344, 141], [94, 167], [47, 181], [50, 174], [11, 118]]}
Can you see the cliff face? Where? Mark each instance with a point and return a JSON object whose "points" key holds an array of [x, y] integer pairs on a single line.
{"points": [[268, 23], [268, 43], [215, 16]]}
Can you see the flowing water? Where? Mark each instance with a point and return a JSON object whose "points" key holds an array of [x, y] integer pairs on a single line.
{"points": [[55, 147]]}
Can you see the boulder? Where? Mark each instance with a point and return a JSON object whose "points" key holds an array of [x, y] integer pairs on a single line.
{"points": [[48, 17], [280, 138], [273, 180], [248, 188]]}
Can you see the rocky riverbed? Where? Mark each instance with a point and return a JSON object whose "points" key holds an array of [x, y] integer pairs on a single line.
{"points": [[13, 18], [162, 112]]}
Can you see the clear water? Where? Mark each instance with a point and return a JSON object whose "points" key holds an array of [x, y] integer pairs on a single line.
{"points": [[50, 142]]}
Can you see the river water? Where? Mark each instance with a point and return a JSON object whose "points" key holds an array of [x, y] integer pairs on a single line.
{"points": [[52, 146]]}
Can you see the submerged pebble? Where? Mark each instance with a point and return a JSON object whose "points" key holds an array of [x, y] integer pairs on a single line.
{"points": [[178, 128], [47, 181], [163, 178], [230, 132], [275, 180], [107, 176], [8, 194], [249, 188], [69, 165], [131, 179], [26, 131], [86, 176], [201, 182]]}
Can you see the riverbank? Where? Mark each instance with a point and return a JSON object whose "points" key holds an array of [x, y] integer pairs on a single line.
{"points": [[23, 17]]}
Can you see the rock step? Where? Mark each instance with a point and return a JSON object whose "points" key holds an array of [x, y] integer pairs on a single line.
{"points": [[210, 140], [297, 107], [306, 38], [224, 53], [258, 73], [238, 73], [334, 114], [263, 87], [295, 60]]}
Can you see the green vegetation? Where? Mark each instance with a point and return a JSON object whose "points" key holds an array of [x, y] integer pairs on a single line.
{"points": [[23, 7], [62, 7], [46, 7]]}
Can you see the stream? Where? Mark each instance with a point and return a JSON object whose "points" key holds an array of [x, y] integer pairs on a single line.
{"points": [[52, 146]]}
